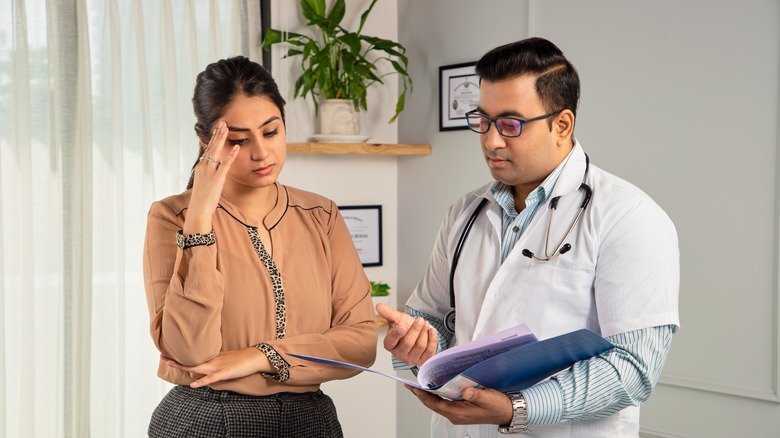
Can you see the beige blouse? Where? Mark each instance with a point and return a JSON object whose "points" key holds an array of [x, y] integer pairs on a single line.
{"points": [[208, 299]]}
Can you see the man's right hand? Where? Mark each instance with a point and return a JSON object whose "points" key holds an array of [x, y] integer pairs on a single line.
{"points": [[411, 340]]}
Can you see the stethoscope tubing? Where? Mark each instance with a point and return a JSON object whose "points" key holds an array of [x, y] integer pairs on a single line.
{"points": [[449, 320]]}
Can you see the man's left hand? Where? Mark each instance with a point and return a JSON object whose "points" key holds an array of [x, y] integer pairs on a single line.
{"points": [[479, 406]]}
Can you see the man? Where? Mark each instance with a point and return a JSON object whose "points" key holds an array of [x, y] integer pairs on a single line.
{"points": [[604, 258]]}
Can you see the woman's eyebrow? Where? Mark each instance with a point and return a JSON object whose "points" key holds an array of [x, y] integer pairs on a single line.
{"points": [[240, 129]]}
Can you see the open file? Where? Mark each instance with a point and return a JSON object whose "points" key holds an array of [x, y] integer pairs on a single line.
{"points": [[508, 361]]}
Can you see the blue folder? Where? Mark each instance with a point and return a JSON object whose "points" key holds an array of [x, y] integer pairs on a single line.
{"points": [[524, 366]]}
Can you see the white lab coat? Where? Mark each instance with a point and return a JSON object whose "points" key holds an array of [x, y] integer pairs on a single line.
{"points": [[621, 274]]}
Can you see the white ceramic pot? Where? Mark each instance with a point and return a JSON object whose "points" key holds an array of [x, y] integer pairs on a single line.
{"points": [[338, 117]]}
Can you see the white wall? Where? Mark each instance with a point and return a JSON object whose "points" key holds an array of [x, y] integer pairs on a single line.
{"points": [[680, 98], [367, 402]]}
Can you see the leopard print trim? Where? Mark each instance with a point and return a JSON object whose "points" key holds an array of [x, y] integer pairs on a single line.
{"points": [[276, 281], [281, 366], [196, 239]]}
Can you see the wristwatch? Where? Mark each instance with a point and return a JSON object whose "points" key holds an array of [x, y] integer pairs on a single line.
{"points": [[190, 240], [519, 415]]}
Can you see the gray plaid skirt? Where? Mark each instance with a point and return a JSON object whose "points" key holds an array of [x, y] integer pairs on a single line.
{"points": [[205, 412]]}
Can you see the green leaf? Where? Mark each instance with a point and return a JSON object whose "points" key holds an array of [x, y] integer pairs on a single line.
{"points": [[322, 56], [299, 84], [399, 68], [364, 16], [313, 9], [337, 12], [322, 79], [384, 45], [347, 60], [272, 36], [309, 48], [399, 106], [308, 84], [353, 41], [379, 289]]}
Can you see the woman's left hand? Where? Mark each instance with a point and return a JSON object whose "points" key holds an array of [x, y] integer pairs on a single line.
{"points": [[226, 366]]}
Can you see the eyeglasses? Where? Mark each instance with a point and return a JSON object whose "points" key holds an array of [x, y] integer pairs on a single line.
{"points": [[506, 126]]}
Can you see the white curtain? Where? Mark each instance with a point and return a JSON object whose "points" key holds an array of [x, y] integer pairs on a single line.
{"points": [[95, 123]]}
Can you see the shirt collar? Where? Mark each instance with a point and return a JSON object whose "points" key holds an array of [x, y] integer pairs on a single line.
{"points": [[271, 219]]}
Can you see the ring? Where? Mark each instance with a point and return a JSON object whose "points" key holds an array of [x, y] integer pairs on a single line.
{"points": [[209, 159]]}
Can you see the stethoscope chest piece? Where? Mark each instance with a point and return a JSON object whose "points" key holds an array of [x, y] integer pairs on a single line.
{"points": [[449, 321]]}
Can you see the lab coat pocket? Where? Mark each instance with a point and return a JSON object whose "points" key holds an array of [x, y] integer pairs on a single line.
{"points": [[564, 292]]}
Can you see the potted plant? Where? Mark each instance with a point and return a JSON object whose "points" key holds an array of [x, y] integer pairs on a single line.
{"points": [[340, 65]]}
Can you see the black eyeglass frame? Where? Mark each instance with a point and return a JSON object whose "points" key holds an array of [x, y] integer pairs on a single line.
{"points": [[492, 121]]}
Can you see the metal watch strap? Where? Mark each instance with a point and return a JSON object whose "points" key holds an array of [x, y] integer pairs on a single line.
{"points": [[519, 415], [190, 240]]}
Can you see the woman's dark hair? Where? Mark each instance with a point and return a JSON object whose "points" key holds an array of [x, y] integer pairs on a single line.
{"points": [[557, 82], [219, 84]]}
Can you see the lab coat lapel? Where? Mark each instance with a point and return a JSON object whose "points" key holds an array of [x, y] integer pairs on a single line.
{"points": [[514, 270]]}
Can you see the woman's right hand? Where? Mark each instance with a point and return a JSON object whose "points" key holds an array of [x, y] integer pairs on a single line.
{"points": [[210, 174]]}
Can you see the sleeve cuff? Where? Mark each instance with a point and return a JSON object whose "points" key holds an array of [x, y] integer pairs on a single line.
{"points": [[544, 403], [280, 365], [190, 240]]}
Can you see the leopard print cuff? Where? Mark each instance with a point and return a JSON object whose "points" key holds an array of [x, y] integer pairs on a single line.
{"points": [[190, 240], [281, 366]]}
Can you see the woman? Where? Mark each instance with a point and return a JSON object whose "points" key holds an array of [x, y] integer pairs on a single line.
{"points": [[241, 271]]}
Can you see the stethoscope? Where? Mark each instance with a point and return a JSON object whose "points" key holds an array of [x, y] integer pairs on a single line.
{"points": [[561, 248]]}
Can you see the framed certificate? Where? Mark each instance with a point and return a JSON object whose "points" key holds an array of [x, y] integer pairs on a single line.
{"points": [[458, 94], [364, 223]]}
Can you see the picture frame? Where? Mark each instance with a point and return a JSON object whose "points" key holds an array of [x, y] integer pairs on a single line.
{"points": [[364, 223], [458, 94]]}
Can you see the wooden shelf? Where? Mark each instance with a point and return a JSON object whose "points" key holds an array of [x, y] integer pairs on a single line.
{"points": [[358, 149]]}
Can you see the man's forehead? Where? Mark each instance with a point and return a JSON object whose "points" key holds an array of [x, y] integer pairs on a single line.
{"points": [[516, 96]]}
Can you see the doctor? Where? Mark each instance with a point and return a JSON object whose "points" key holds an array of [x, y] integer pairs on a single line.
{"points": [[560, 245]]}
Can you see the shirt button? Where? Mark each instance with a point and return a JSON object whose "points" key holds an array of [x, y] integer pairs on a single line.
{"points": [[516, 229]]}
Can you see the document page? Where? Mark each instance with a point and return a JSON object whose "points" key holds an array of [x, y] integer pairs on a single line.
{"points": [[449, 363]]}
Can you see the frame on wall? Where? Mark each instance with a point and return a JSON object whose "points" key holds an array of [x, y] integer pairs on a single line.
{"points": [[458, 94], [364, 223]]}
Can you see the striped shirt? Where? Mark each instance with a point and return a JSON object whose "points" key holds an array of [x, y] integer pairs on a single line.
{"points": [[599, 387]]}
